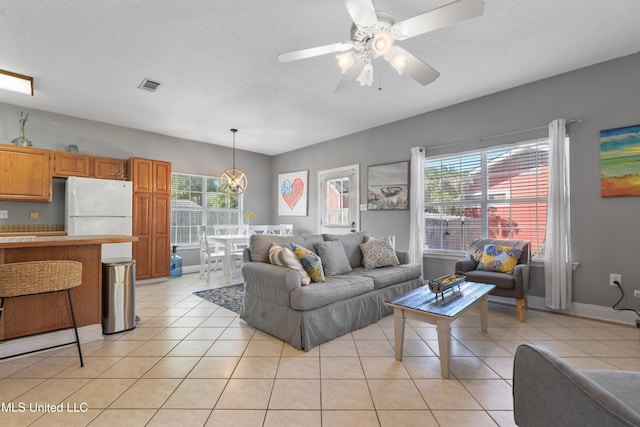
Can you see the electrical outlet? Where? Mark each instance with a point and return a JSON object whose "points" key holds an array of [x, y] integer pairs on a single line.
{"points": [[4, 214], [613, 277], [636, 293]]}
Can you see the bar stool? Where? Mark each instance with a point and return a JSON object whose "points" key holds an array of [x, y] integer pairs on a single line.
{"points": [[41, 277]]}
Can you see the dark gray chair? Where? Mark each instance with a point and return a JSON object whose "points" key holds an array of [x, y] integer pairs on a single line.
{"points": [[549, 392], [512, 285]]}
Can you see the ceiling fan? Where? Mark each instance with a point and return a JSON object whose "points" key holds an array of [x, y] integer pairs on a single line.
{"points": [[373, 34]]}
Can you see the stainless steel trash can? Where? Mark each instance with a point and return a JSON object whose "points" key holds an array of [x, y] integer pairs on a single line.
{"points": [[118, 295]]}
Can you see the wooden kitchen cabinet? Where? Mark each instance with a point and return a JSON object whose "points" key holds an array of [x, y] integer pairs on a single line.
{"points": [[141, 250], [25, 174], [71, 164], [161, 235], [108, 168], [151, 181]]}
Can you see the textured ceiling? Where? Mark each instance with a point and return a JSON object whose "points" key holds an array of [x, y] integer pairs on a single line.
{"points": [[217, 62]]}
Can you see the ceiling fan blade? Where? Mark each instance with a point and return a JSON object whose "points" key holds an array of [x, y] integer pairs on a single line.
{"points": [[418, 70], [437, 18], [362, 12], [314, 51], [350, 77]]}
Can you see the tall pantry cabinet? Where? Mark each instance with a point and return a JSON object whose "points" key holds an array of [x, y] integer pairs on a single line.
{"points": [[151, 216]]}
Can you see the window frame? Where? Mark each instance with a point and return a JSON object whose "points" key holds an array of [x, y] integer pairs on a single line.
{"points": [[202, 209], [486, 196]]}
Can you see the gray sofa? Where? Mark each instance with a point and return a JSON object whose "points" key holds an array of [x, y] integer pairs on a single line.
{"points": [[275, 301], [549, 392]]}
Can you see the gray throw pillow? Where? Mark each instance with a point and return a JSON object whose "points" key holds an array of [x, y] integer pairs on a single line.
{"points": [[334, 259], [351, 243]]}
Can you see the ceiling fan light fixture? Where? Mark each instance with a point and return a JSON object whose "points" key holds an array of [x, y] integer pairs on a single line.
{"points": [[366, 76], [345, 60], [399, 62], [233, 181], [16, 82], [382, 43]]}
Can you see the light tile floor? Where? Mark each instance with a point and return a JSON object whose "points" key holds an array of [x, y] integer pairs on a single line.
{"points": [[192, 363]]}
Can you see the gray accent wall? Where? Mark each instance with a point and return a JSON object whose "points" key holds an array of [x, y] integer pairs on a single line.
{"points": [[56, 131], [605, 231]]}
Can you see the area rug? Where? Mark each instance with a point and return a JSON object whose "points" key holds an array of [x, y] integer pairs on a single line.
{"points": [[229, 297]]}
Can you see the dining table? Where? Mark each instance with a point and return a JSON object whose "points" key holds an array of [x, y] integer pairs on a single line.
{"points": [[229, 241]]}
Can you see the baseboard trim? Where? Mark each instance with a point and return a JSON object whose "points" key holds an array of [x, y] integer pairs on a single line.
{"points": [[22, 345], [191, 269], [578, 309]]}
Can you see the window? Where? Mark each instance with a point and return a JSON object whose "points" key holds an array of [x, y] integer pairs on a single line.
{"points": [[496, 193], [196, 200]]}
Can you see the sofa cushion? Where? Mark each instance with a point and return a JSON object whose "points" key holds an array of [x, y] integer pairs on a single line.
{"points": [[259, 244], [336, 288], [310, 261], [285, 257], [334, 259], [378, 253], [501, 280], [351, 243], [388, 276], [501, 259]]}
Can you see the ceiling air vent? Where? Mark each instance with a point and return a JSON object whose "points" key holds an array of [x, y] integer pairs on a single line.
{"points": [[148, 84]]}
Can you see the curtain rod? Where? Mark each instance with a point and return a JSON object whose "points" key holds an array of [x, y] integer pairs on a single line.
{"points": [[568, 122]]}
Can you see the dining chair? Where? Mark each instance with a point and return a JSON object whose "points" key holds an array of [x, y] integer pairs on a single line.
{"points": [[230, 230], [287, 229], [208, 253], [281, 230], [258, 229], [237, 258]]}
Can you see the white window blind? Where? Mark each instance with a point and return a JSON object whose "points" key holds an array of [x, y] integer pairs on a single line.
{"points": [[497, 193], [196, 200]]}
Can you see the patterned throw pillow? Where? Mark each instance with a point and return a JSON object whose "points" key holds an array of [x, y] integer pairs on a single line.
{"points": [[378, 253], [286, 258], [502, 259], [310, 262]]}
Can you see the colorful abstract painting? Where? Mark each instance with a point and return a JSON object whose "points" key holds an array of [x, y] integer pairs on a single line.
{"points": [[292, 193], [620, 162]]}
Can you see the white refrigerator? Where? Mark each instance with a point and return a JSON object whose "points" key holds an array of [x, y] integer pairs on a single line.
{"points": [[100, 206]]}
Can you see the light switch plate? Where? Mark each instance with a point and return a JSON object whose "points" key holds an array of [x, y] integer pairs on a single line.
{"points": [[34, 215]]}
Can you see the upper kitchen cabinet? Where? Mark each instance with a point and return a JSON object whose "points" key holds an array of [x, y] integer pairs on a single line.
{"points": [[108, 168], [149, 176], [71, 164], [25, 174]]}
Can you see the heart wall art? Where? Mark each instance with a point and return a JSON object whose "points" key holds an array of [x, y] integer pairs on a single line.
{"points": [[292, 193]]}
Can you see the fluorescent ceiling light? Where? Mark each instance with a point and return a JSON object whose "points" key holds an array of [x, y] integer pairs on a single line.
{"points": [[16, 82]]}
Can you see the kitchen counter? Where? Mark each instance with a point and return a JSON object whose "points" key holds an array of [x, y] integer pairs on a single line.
{"points": [[31, 241], [40, 313], [36, 233]]}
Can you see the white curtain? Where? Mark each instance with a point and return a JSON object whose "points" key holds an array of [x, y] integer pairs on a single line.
{"points": [[557, 251], [416, 202]]}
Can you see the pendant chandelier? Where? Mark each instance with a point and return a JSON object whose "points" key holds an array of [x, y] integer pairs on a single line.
{"points": [[234, 181]]}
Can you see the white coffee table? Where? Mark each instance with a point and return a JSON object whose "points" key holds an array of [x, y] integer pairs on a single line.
{"points": [[421, 304]]}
